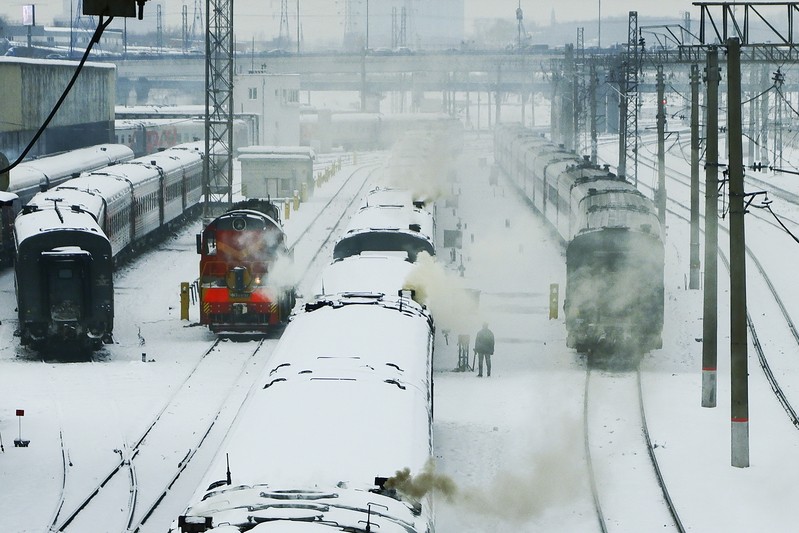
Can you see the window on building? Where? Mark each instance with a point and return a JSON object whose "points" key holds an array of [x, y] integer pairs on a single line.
{"points": [[253, 93]]}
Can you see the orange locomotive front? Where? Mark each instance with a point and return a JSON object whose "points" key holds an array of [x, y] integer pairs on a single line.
{"points": [[245, 271]]}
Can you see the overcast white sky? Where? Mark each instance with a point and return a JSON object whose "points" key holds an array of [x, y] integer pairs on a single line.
{"points": [[325, 17]]}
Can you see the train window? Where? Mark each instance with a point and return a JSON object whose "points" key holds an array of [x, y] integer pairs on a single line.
{"points": [[210, 244], [65, 273]]}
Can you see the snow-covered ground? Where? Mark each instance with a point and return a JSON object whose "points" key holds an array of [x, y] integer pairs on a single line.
{"points": [[512, 443]]}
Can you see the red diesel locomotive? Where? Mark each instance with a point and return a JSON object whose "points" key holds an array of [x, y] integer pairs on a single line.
{"points": [[245, 280]]}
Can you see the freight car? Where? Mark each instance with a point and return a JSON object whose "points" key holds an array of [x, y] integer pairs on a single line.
{"points": [[35, 175], [68, 239], [614, 244], [333, 419], [241, 288]]}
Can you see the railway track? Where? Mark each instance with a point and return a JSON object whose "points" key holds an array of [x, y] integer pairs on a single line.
{"points": [[616, 432], [224, 365], [779, 350], [154, 461]]}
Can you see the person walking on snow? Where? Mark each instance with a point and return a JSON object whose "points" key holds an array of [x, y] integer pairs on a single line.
{"points": [[484, 348]]}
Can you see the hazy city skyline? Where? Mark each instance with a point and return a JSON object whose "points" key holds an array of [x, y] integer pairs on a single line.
{"points": [[323, 19]]}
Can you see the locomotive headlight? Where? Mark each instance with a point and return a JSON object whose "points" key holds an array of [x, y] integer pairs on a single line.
{"points": [[257, 280]]}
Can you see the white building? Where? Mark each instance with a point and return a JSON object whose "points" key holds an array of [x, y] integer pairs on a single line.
{"points": [[275, 98]]}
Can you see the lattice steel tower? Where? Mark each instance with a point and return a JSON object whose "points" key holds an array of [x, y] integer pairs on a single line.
{"points": [[284, 37], [218, 163], [196, 22], [628, 103]]}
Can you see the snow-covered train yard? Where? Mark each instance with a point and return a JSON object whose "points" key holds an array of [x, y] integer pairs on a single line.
{"points": [[512, 444]]}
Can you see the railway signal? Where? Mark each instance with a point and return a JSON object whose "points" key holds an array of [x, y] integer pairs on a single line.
{"points": [[19, 442]]}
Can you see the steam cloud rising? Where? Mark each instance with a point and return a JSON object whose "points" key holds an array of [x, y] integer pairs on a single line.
{"points": [[540, 480], [453, 306]]}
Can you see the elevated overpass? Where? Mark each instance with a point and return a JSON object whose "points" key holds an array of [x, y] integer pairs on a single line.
{"points": [[504, 71]]}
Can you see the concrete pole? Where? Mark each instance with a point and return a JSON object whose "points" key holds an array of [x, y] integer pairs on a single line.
{"points": [[554, 110], [661, 125], [568, 106], [739, 378], [763, 102], [592, 84], [710, 309], [532, 100], [622, 166], [488, 106], [695, 265], [468, 103], [752, 120], [478, 109], [498, 95], [523, 100], [363, 80]]}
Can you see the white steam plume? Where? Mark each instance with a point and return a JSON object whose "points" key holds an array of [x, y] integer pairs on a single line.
{"points": [[453, 306]]}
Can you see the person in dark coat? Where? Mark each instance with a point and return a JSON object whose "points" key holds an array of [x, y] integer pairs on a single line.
{"points": [[484, 348]]}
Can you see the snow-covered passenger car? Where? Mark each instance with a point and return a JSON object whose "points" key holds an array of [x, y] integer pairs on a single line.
{"points": [[335, 414], [68, 238], [35, 175], [614, 242], [377, 228]]}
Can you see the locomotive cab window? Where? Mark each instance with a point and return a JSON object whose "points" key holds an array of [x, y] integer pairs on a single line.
{"points": [[210, 244]]}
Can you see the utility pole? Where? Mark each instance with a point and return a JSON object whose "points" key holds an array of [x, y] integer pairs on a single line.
{"points": [[394, 28], [498, 96], [567, 98], [764, 129], [159, 28], [778, 80], [739, 379], [578, 90], [363, 80], [185, 17], [710, 309], [695, 266], [283, 36], [661, 125], [592, 85], [628, 103], [555, 109], [752, 115], [299, 31], [196, 22]]}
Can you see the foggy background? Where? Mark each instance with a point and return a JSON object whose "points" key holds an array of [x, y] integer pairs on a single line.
{"points": [[322, 21]]}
